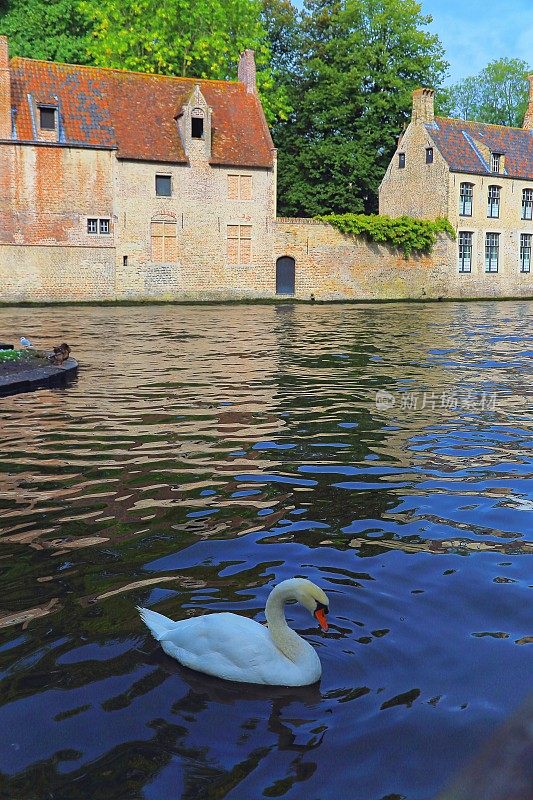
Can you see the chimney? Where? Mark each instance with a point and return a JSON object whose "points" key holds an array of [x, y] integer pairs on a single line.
{"points": [[423, 105], [528, 119], [5, 91], [246, 72]]}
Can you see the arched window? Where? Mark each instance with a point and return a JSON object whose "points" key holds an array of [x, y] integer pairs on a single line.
{"points": [[466, 196], [163, 238], [197, 123]]}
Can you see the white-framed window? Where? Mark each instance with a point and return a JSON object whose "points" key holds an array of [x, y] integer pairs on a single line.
{"points": [[100, 225], [466, 199], [163, 186], [493, 207], [465, 251], [525, 252], [239, 244], [239, 187], [527, 204], [492, 252], [495, 162]]}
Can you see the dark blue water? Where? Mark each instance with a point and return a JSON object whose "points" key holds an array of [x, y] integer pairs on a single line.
{"points": [[205, 453]]}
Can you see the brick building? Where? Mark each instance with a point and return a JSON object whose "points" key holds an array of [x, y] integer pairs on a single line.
{"points": [[120, 185], [480, 177], [116, 184]]}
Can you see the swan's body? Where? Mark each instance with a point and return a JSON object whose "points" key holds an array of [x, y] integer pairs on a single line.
{"points": [[238, 649]]}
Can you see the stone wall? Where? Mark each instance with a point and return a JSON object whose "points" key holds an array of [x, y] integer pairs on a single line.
{"points": [[332, 266], [47, 193], [418, 189], [509, 225], [202, 211], [49, 273]]}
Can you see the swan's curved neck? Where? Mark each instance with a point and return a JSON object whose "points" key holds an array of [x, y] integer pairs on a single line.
{"points": [[287, 640]]}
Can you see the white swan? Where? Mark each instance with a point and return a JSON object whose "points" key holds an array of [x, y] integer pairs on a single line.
{"points": [[239, 649]]}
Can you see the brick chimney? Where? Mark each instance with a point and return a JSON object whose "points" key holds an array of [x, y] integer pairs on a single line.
{"points": [[246, 72], [5, 91], [528, 119], [423, 105]]}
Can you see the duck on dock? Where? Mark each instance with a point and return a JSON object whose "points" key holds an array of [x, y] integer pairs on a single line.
{"points": [[60, 354]]}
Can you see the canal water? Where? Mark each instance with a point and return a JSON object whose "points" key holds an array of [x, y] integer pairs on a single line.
{"points": [[205, 453]]}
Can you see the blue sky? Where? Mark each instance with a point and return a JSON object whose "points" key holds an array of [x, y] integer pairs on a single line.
{"points": [[475, 32]]}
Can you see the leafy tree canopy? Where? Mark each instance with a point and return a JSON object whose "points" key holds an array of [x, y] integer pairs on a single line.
{"points": [[350, 90], [200, 38], [53, 30], [497, 95]]}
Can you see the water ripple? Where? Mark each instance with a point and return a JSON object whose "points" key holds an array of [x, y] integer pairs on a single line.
{"points": [[204, 453]]}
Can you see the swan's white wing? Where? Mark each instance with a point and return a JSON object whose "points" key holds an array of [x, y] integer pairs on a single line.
{"points": [[229, 646]]}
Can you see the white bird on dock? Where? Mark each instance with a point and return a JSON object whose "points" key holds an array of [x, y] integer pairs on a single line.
{"points": [[25, 342]]}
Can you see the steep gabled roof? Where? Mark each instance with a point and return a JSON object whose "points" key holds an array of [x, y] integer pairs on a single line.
{"points": [[135, 112], [461, 143]]}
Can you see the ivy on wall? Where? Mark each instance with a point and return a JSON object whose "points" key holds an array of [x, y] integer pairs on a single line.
{"points": [[404, 233]]}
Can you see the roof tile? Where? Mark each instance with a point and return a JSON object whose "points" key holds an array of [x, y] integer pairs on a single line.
{"points": [[135, 112], [456, 138]]}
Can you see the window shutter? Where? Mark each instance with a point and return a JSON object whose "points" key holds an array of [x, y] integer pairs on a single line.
{"points": [[233, 251], [246, 244], [246, 187], [233, 187]]}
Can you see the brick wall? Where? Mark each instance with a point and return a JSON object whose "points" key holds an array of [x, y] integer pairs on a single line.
{"points": [[418, 189], [508, 224], [46, 195], [200, 207], [331, 266]]}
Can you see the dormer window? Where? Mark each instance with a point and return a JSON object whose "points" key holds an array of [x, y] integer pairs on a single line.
{"points": [[495, 162], [47, 118], [197, 123]]}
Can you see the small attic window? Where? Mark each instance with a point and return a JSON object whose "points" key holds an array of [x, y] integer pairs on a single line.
{"points": [[197, 128], [47, 118], [197, 123], [495, 162]]}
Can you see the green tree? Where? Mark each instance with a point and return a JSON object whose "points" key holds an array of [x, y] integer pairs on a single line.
{"points": [[497, 95], [280, 19], [358, 63], [50, 29], [200, 38]]}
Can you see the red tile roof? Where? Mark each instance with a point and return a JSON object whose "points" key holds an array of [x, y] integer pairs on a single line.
{"points": [[135, 112], [456, 140]]}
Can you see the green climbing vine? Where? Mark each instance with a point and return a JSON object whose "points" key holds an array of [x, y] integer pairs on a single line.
{"points": [[405, 233]]}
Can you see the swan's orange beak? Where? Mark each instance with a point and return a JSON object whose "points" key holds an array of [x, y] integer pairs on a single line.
{"points": [[320, 614]]}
